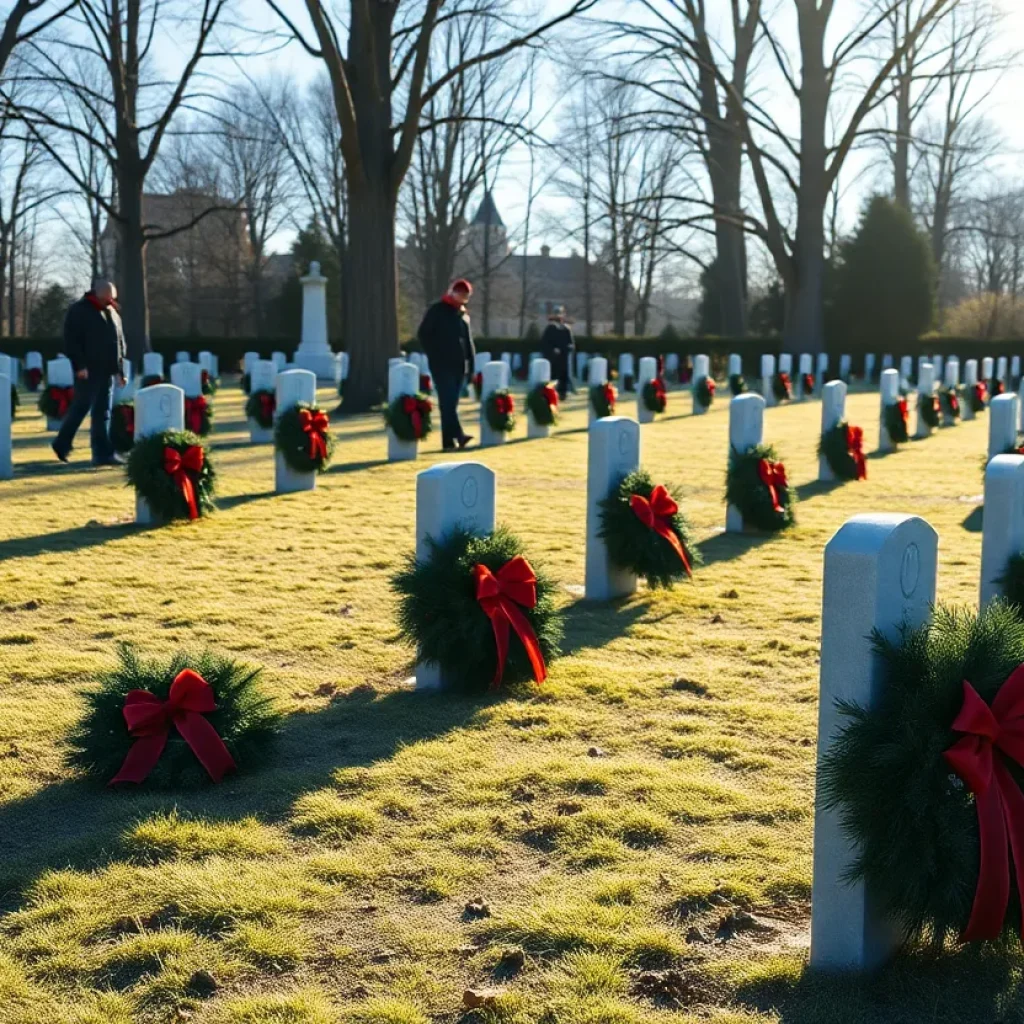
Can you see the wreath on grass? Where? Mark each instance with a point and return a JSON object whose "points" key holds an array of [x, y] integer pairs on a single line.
{"points": [[782, 387], [929, 409], [951, 402], [542, 401], [151, 380], [645, 532], [408, 416], [996, 387], [461, 605], [756, 484], [303, 438], [978, 396], [172, 472], [704, 392], [174, 722], [33, 378], [122, 426], [210, 384], [246, 383], [737, 384], [897, 418], [602, 400], [842, 447], [260, 407], [426, 384], [808, 383], [924, 789], [199, 415], [55, 401], [654, 395], [500, 410]]}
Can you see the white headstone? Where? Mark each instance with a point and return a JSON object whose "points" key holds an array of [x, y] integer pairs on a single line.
{"points": [[952, 372], [59, 374], [735, 364], [449, 496], [6, 460], [767, 378], [822, 366], [403, 379], [343, 363], [833, 411], [1002, 424], [152, 364], [481, 360], [627, 371], [517, 361], [506, 358], [8, 367], [786, 363], [672, 363], [206, 363], [33, 360], [925, 390], [1014, 368], [188, 377], [746, 431], [921, 361], [215, 366], [279, 359], [987, 371], [701, 371], [869, 366], [906, 369], [1001, 368], [262, 377], [395, 361], [613, 453], [126, 393], [597, 374], [939, 367], [582, 358], [248, 361], [845, 363], [158, 408], [879, 574], [806, 365], [648, 372], [314, 351], [970, 379], [889, 391], [887, 362], [293, 387], [1003, 523], [540, 373], [496, 377], [183, 357]]}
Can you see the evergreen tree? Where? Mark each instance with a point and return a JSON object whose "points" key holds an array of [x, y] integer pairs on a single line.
{"points": [[768, 313], [885, 282], [709, 312], [47, 320]]}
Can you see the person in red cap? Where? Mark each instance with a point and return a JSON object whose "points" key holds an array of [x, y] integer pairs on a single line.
{"points": [[448, 343]]}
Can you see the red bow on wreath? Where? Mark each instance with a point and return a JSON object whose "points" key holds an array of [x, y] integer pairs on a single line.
{"points": [[416, 408], [268, 405], [954, 403], [195, 410], [205, 377], [500, 595], [128, 419], [609, 397], [981, 392], [998, 387], [855, 447], [425, 382], [149, 720], [179, 465], [997, 796], [808, 383], [773, 476], [656, 514], [504, 405], [315, 424], [787, 384], [708, 383], [550, 396], [63, 398], [904, 410]]}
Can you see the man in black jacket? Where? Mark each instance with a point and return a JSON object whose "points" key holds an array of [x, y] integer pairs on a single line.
{"points": [[94, 342], [448, 343], [558, 345]]}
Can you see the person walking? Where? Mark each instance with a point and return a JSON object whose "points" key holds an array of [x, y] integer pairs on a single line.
{"points": [[448, 342], [558, 346], [94, 342]]}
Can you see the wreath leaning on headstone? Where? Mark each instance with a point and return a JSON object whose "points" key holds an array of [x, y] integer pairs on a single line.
{"points": [[808, 384], [172, 472], [260, 407], [996, 387], [199, 415], [122, 426], [756, 484], [176, 722], [479, 610], [930, 409], [950, 400], [737, 384], [500, 410], [928, 782], [654, 395], [602, 400], [210, 383], [542, 402], [978, 396], [782, 387], [409, 417], [302, 435], [704, 392], [55, 401], [33, 378], [842, 447], [897, 421], [645, 532]]}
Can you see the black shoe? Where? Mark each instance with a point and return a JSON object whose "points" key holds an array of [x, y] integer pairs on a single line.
{"points": [[465, 441], [63, 456], [114, 460], [448, 447]]}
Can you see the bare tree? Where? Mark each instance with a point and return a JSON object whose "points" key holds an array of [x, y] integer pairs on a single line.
{"points": [[22, 24]]}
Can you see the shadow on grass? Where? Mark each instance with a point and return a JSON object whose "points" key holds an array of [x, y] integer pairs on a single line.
{"points": [[723, 547], [595, 623], [226, 504], [952, 987], [975, 519], [76, 538], [817, 488]]}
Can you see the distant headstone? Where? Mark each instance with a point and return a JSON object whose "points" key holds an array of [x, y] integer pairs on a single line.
{"points": [[833, 411], [627, 371], [806, 365], [921, 360], [403, 379], [672, 364], [887, 362], [262, 377], [987, 369], [925, 389], [183, 357], [648, 372], [206, 363], [1003, 523], [889, 394], [701, 371], [126, 392], [293, 387], [496, 378], [906, 369], [1002, 424], [767, 377], [845, 362], [597, 374], [735, 364], [1001, 368], [1014, 370], [869, 367], [248, 361], [822, 366], [786, 363], [746, 431], [939, 368], [152, 364], [33, 360], [540, 373], [582, 358], [506, 358], [481, 360], [158, 408], [279, 359], [59, 374], [970, 379], [188, 377]]}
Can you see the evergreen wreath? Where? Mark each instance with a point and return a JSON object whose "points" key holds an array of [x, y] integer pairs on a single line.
{"points": [[912, 818], [843, 448], [260, 407], [15, 401], [408, 416], [978, 396], [302, 437], [152, 379], [745, 488], [122, 426], [500, 409], [996, 387], [426, 384], [896, 421], [33, 378], [542, 401], [808, 383], [246, 383], [478, 385], [704, 392], [439, 613], [654, 395], [737, 384], [930, 409], [638, 547], [199, 415], [210, 384], [602, 400], [951, 402], [245, 718], [782, 387], [55, 401], [166, 481]]}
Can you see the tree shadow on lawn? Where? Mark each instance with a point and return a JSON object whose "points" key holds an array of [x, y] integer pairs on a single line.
{"points": [[722, 547], [76, 538], [595, 623], [954, 986]]}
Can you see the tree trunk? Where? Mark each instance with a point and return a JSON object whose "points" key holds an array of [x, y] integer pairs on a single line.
{"points": [[371, 320], [134, 296], [730, 269], [901, 152]]}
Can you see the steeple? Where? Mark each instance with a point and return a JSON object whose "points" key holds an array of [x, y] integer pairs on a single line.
{"points": [[487, 215]]}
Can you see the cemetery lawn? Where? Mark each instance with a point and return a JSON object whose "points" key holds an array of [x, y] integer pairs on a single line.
{"points": [[630, 843]]}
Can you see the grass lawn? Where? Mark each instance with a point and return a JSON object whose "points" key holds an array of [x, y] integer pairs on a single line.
{"points": [[629, 843]]}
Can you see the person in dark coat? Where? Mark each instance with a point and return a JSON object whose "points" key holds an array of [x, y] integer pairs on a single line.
{"points": [[558, 346], [448, 342], [94, 342]]}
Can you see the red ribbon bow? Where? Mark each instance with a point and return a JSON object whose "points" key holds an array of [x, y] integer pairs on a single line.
{"points": [[708, 383], [268, 405], [773, 476], [808, 382], [998, 387], [499, 595], [416, 408], [179, 465], [425, 384], [149, 720], [63, 397], [551, 396], [981, 392], [904, 410], [205, 377], [504, 404], [997, 796], [954, 403], [656, 514], [195, 408], [855, 446], [609, 397], [315, 423], [787, 384]]}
